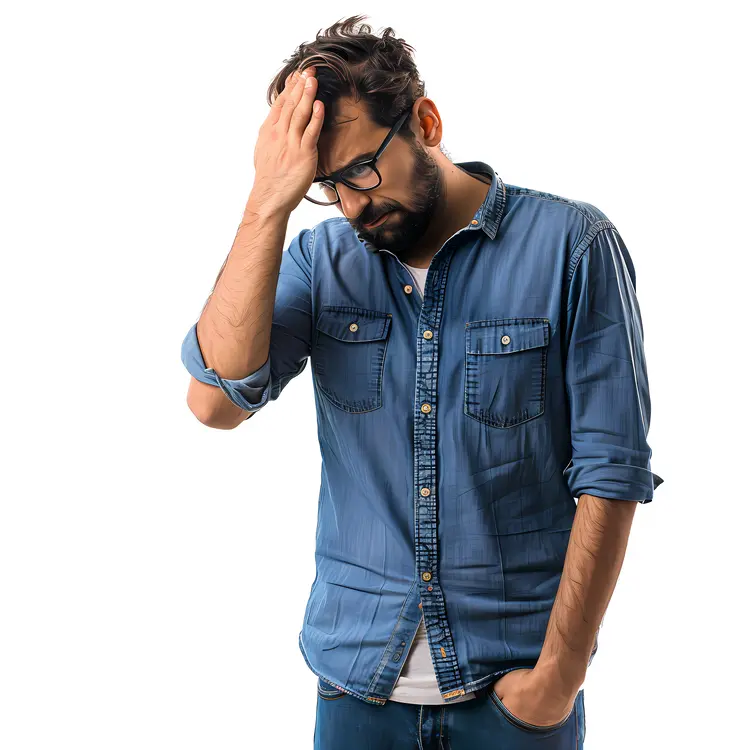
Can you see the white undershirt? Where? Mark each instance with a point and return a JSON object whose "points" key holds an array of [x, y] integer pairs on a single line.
{"points": [[417, 682], [419, 274]]}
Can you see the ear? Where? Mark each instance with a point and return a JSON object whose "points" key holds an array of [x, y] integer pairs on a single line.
{"points": [[428, 119], [432, 127]]}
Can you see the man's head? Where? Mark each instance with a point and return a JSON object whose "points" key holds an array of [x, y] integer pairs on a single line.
{"points": [[366, 82]]}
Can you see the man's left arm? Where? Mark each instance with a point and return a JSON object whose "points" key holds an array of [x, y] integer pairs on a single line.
{"points": [[596, 550], [609, 470]]}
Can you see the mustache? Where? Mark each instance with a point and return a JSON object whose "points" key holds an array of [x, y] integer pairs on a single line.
{"points": [[375, 217]]}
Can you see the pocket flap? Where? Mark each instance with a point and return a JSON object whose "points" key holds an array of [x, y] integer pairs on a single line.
{"points": [[353, 323], [488, 336]]}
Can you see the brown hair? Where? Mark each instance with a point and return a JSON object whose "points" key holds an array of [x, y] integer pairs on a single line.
{"points": [[352, 62]]}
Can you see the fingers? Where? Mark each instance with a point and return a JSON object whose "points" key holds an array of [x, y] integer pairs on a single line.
{"points": [[301, 114], [278, 103], [293, 98], [293, 109], [312, 131]]}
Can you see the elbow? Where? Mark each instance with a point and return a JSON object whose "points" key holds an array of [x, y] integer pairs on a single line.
{"points": [[199, 411], [220, 420], [211, 408]]}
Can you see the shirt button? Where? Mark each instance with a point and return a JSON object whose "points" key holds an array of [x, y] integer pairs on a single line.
{"points": [[408, 288], [420, 605], [427, 334], [426, 576], [474, 221], [426, 408], [429, 588], [353, 327], [505, 339], [424, 492]]}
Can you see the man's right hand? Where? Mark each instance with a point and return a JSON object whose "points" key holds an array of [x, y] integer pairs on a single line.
{"points": [[286, 153]]}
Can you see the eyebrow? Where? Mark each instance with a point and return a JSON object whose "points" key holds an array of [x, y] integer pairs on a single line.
{"points": [[355, 160]]}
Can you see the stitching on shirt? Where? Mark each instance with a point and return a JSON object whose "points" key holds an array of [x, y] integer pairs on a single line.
{"points": [[584, 245], [387, 651], [311, 248], [579, 206]]}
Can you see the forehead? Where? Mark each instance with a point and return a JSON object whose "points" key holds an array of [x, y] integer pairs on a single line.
{"points": [[351, 133]]}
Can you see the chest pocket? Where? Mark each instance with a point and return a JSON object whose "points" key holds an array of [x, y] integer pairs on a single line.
{"points": [[505, 370], [349, 356]]}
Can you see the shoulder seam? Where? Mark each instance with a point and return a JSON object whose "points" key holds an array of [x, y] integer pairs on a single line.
{"points": [[555, 199], [585, 244]]}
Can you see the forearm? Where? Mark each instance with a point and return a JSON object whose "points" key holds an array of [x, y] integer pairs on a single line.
{"points": [[596, 550], [234, 329]]}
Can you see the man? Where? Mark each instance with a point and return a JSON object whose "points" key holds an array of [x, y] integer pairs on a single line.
{"points": [[478, 363]]}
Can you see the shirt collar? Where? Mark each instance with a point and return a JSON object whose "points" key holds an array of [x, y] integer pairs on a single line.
{"points": [[489, 215]]}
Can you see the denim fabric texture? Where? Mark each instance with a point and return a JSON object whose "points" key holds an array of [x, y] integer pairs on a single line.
{"points": [[456, 430], [342, 723]]}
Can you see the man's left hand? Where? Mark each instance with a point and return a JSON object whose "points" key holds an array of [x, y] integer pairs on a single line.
{"points": [[533, 697]]}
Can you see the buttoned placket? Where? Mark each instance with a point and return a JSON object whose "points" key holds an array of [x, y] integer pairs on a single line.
{"points": [[432, 601]]}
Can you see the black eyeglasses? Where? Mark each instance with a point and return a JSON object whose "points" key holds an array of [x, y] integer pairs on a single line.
{"points": [[363, 175]]}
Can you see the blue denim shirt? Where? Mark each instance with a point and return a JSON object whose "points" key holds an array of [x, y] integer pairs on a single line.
{"points": [[456, 429]]}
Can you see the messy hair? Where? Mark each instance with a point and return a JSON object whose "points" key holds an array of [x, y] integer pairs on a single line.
{"points": [[352, 62]]}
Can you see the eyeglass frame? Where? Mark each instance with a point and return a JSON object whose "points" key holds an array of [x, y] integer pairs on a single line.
{"points": [[335, 177]]}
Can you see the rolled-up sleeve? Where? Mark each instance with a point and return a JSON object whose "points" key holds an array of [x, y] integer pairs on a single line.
{"points": [[290, 335], [606, 377]]}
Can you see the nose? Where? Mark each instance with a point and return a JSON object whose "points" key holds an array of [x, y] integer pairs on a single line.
{"points": [[353, 202]]}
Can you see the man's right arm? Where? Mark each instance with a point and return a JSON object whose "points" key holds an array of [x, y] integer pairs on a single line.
{"points": [[257, 318]]}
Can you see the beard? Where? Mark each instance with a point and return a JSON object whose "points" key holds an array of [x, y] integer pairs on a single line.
{"points": [[400, 233]]}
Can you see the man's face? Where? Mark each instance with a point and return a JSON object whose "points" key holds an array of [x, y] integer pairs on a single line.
{"points": [[412, 181]]}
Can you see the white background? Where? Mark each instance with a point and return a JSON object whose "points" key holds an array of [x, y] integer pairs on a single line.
{"points": [[154, 572]]}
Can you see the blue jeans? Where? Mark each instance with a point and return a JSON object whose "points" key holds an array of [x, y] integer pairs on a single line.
{"points": [[344, 722]]}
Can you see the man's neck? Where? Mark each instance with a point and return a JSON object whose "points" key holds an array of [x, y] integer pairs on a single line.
{"points": [[463, 194]]}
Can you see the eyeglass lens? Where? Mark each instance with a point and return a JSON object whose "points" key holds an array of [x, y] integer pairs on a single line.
{"points": [[359, 175]]}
